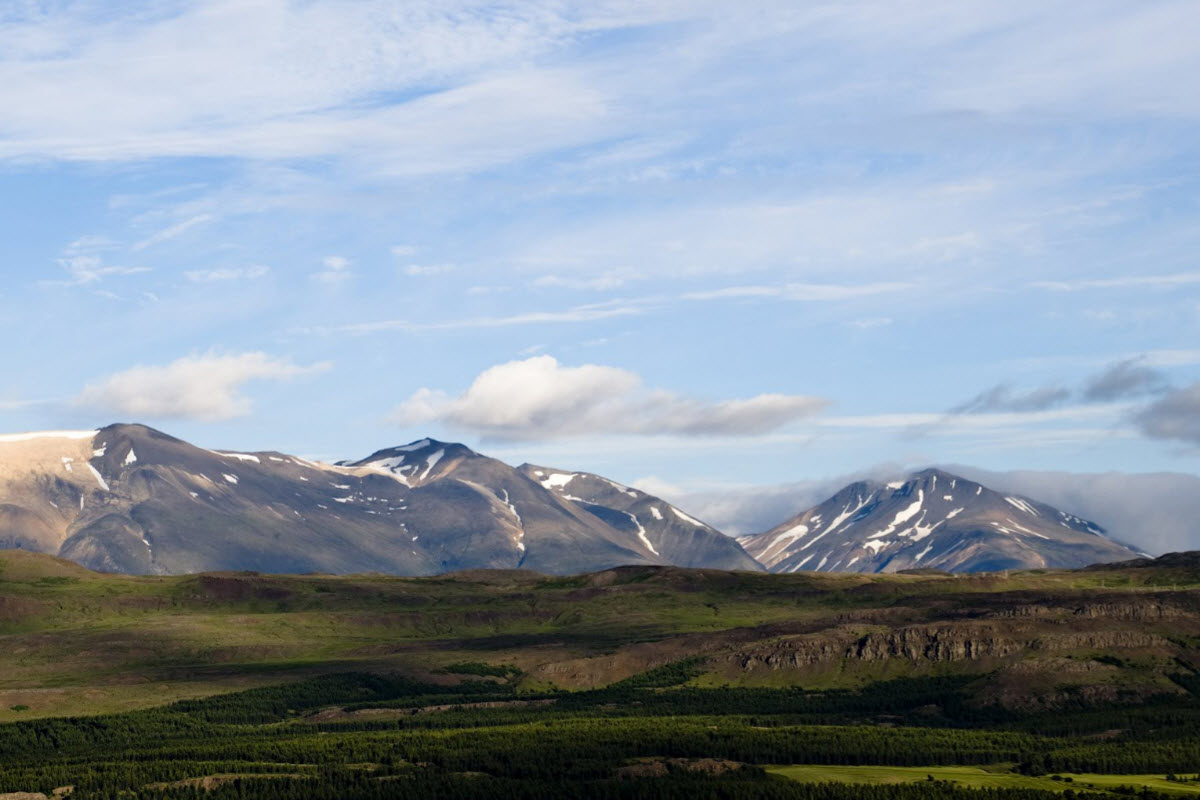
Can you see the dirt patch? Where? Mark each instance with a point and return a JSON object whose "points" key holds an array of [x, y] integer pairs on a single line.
{"points": [[210, 782], [660, 767]]}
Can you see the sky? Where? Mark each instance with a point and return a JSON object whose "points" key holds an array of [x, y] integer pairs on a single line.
{"points": [[694, 246]]}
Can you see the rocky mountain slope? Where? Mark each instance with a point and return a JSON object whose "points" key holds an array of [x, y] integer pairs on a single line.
{"points": [[131, 499], [670, 534], [932, 519]]}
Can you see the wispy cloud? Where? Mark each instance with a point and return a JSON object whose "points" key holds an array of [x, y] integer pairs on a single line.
{"points": [[1005, 398], [583, 313], [222, 274], [1122, 282], [172, 231], [611, 280], [803, 292], [84, 270], [940, 422], [315, 92], [871, 322]]}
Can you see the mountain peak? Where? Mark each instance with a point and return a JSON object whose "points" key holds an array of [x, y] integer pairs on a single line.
{"points": [[664, 532], [931, 519], [418, 461]]}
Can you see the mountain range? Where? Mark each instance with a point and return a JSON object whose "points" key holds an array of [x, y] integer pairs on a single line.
{"points": [[131, 499]]}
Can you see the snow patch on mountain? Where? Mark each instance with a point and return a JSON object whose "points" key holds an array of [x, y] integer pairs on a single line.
{"points": [[9, 438], [99, 478], [686, 518]]}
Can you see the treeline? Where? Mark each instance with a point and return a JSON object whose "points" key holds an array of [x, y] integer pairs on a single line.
{"points": [[745, 783], [588, 749]]}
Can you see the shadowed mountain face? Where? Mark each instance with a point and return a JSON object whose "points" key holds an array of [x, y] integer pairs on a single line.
{"points": [[670, 534], [931, 520], [131, 499]]}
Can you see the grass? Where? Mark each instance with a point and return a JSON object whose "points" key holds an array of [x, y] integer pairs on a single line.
{"points": [[979, 778], [74, 642]]}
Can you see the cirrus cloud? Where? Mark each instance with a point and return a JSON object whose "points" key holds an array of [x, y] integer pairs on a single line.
{"points": [[538, 398], [206, 387]]}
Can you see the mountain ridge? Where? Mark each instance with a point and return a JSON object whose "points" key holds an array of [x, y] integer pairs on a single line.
{"points": [[129, 498]]}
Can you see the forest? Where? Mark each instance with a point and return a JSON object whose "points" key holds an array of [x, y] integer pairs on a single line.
{"points": [[378, 736]]}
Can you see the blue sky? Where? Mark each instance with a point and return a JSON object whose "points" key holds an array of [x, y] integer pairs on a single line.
{"points": [[690, 244]]}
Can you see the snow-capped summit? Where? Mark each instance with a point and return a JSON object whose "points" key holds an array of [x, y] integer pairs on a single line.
{"points": [[418, 462], [931, 519]]}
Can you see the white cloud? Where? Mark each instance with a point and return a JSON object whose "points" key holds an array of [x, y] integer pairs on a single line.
{"points": [[1170, 358], [227, 274], [943, 423], [336, 269], [540, 399], [803, 292], [611, 280], [1122, 282], [425, 270], [216, 90], [206, 387], [871, 322], [652, 484]]}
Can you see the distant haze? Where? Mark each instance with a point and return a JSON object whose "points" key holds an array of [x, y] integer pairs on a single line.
{"points": [[1155, 512]]}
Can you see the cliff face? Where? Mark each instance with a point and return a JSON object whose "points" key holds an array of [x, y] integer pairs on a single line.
{"points": [[1026, 652]]}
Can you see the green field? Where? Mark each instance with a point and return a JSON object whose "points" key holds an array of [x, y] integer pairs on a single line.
{"points": [[981, 778]]}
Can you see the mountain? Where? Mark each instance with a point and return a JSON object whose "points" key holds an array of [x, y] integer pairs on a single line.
{"points": [[932, 520], [131, 499], [670, 534]]}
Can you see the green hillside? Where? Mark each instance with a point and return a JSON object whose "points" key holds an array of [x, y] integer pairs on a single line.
{"points": [[635, 682]]}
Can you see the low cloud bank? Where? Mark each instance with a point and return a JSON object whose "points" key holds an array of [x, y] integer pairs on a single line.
{"points": [[1154, 512]]}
